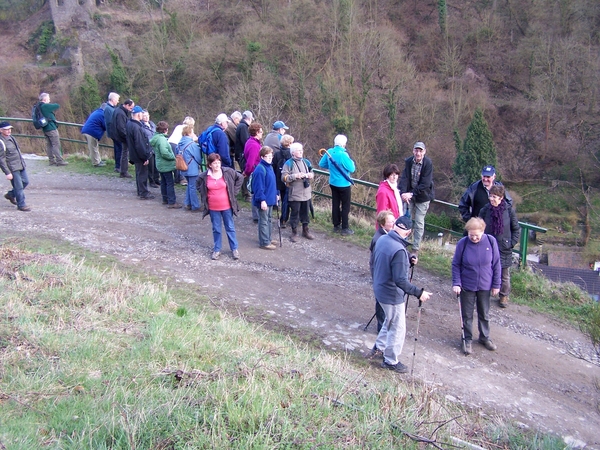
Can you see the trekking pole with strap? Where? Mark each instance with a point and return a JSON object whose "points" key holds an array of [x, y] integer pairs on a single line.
{"points": [[412, 366], [369, 322], [412, 270], [279, 225], [462, 326]]}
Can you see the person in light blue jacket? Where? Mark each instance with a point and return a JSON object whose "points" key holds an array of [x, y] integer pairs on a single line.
{"points": [[191, 154], [339, 182]]}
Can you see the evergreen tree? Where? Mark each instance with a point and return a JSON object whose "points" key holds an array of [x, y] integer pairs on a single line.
{"points": [[478, 150]]}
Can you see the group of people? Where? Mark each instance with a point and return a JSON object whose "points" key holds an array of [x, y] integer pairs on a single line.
{"points": [[274, 173], [481, 262]]}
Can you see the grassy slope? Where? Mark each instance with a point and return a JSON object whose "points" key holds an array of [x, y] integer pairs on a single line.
{"points": [[94, 356]]}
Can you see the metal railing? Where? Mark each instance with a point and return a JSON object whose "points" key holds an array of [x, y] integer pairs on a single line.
{"points": [[525, 227]]}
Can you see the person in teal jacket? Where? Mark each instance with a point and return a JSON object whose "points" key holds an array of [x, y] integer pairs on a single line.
{"points": [[339, 182], [165, 164], [189, 148], [51, 131]]}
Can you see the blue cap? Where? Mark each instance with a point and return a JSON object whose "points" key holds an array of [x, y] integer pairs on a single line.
{"points": [[137, 109], [279, 124], [488, 171]]}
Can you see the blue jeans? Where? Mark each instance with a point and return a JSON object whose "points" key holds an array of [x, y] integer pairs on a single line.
{"points": [[191, 193], [19, 183], [167, 188], [215, 218], [264, 226]]}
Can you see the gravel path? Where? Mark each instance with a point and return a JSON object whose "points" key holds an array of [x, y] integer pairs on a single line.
{"points": [[321, 289]]}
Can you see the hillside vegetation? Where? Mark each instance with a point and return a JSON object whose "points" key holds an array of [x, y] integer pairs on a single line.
{"points": [[385, 72]]}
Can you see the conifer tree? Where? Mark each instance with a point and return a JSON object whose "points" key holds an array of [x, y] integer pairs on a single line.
{"points": [[478, 150]]}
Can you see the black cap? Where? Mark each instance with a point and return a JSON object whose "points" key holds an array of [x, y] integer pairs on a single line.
{"points": [[404, 223]]}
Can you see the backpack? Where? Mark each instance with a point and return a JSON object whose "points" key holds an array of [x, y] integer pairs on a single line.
{"points": [[38, 119], [207, 145]]}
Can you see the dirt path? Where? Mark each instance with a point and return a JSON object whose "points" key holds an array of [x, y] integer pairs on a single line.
{"points": [[322, 288]]}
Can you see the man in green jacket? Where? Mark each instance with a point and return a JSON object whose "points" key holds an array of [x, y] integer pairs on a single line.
{"points": [[51, 131]]}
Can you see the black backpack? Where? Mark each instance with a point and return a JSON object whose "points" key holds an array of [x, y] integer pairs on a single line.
{"points": [[38, 119]]}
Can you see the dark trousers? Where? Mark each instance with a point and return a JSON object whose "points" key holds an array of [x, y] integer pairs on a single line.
{"points": [[141, 179], [153, 174], [118, 149], [468, 300], [299, 213], [125, 159], [380, 315], [167, 188], [285, 210], [340, 205]]}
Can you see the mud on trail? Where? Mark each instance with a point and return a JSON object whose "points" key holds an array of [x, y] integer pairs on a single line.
{"points": [[322, 288]]}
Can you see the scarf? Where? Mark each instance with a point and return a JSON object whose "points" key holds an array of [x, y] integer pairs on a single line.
{"points": [[497, 218], [397, 195]]}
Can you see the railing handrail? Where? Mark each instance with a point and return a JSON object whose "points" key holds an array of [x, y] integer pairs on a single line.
{"points": [[524, 225]]}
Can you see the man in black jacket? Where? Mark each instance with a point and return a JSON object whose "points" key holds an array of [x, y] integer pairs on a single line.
{"points": [[416, 189], [118, 132], [476, 195], [140, 151], [241, 136]]}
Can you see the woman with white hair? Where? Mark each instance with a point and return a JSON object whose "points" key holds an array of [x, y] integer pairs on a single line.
{"points": [[339, 182], [296, 174], [175, 138]]}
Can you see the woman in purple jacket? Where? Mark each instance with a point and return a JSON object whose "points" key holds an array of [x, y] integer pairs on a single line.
{"points": [[476, 272]]}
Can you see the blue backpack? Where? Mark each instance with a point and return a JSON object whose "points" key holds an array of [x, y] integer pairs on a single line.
{"points": [[207, 145]]}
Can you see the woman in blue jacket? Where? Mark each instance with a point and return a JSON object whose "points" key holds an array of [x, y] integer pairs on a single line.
{"points": [[191, 154], [264, 196], [476, 272]]}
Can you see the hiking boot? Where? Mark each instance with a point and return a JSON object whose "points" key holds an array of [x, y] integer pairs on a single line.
{"points": [[467, 348], [487, 343], [346, 232], [183, 182], [283, 224], [62, 163], [268, 247], [215, 255], [235, 254], [10, 198], [306, 232], [294, 236], [175, 206], [154, 185], [374, 353], [503, 302], [100, 164], [399, 367], [147, 197], [24, 208], [337, 229], [125, 175]]}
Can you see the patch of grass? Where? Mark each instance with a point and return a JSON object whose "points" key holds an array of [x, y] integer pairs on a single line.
{"points": [[95, 358], [565, 301]]}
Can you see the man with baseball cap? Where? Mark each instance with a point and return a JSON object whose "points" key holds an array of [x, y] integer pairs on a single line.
{"points": [[13, 166], [476, 195], [272, 139], [416, 189], [390, 284]]}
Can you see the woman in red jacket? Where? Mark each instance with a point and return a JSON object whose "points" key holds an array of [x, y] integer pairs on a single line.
{"points": [[388, 195]]}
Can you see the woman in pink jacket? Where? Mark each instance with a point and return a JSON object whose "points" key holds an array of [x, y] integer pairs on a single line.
{"points": [[388, 195]]}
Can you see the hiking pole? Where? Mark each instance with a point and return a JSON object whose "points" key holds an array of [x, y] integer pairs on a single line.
{"points": [[279, 225], [412, 366], [462, 326], [369, 323], [412, 270]]}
